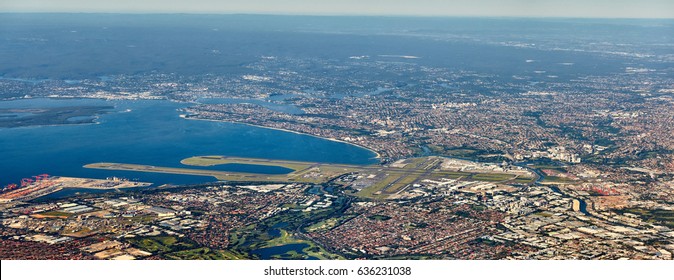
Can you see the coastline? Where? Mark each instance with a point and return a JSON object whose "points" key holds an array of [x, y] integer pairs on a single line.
{"points": [[378, 156]]}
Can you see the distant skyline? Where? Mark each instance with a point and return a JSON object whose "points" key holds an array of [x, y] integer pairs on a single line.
{"points": [[493, 8]]}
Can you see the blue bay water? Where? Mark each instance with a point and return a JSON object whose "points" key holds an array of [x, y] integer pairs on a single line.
{"points": [[152, 133]]}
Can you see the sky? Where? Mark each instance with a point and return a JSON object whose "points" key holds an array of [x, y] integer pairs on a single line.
{"points": [[498, 8]]}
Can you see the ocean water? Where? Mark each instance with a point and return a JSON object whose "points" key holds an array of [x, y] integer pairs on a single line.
{"points": [[43, 47], [151, 132]]}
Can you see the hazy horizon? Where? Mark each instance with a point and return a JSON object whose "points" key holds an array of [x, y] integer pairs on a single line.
{"points": [[647, 9], [338, 15]]}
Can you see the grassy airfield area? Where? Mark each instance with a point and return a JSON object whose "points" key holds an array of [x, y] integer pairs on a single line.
{"points": [[385, 180], [220, 160]]}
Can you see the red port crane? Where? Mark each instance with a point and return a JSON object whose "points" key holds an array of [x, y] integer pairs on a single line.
{"points": [[10, 187], [26, 181]]}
